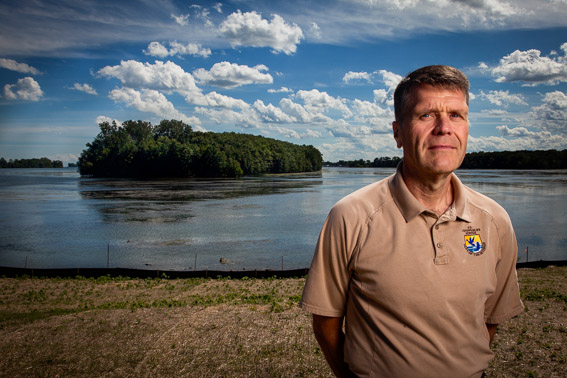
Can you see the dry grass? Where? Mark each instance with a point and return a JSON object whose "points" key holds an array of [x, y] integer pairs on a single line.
{"points": [[221, 328]]}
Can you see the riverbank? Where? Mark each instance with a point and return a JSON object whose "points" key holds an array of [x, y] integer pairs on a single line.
{"points": [[174, 274], [202, 327]]}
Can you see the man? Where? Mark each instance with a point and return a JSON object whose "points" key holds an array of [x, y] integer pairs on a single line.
{"points": [[419, 267]]}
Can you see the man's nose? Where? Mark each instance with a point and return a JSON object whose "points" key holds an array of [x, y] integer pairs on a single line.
{"points": [[443, 125]]}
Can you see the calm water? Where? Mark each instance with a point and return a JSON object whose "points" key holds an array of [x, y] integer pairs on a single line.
{"points": [[55, 219]]}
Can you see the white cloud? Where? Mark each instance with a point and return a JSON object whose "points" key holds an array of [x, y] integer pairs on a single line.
{"points": [[246, 118], [218, 7], [101, 119], [194, 49], [285, 132], [300, 114], [151, 101], [315, 30], [390, 79], [521, 132], [316, 101], [272, 114], [84, 88], [281, 90], [232, 75], [532, 68], [159, 76], [12, 65], [490, 7], [181, 19], [552, 114], [26, 89], [502, 98], [537, 141], [215, 99], [250, 29], [349, 76], [368, 109]]}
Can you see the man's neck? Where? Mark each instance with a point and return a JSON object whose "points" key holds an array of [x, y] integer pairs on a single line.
{"points": [[433, 192]]}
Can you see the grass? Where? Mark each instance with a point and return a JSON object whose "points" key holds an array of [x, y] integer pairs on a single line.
{"points": [[121, 327]]}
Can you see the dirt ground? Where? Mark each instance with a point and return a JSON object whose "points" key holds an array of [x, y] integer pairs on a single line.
{"points": [[120, 327]]}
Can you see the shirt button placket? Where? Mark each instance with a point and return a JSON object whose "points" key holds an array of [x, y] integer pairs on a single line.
{"points": [[441, 257]]}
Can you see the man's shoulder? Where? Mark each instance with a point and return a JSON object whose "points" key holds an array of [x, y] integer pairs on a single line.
{"points": [[486, 205]]}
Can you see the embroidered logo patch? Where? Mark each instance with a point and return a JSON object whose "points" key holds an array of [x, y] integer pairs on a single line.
{"points": [[473, 242]]}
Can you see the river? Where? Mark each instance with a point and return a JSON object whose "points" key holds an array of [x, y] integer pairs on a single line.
{"points": [[53, 218]]}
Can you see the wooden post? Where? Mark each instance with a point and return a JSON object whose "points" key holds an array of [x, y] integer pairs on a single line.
{"points": [[527, 254]]}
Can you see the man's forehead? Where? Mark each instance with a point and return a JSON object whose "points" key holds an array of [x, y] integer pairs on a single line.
{"points": [[429, 95]]}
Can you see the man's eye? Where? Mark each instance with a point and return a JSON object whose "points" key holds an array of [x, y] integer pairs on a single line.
{"points": [[428, 115]]}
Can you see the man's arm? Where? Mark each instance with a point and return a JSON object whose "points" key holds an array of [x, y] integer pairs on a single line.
{"points": [[329, 334], [491, 330]]}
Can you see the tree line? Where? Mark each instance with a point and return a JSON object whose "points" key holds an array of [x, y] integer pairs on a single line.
{"points": [[173, 149], [31, 163], [541, 159]]}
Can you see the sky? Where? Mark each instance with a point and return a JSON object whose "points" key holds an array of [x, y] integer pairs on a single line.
{"points": [[318, 72]]}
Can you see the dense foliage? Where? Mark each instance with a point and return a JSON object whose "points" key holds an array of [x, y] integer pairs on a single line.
{"points": [[382, 162], [173, 149], [30, 163], [550, 159]]}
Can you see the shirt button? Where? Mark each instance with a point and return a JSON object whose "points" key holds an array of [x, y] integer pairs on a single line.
{"points": [[439, 245]]}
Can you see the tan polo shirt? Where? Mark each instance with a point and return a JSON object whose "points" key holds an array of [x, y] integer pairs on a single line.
{"points": [[416, 289]]}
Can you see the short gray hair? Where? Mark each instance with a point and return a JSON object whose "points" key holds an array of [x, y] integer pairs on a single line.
{"points": [[437, 76]]}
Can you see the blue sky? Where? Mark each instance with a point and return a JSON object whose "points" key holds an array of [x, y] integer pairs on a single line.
{"points": [[308, 72]]}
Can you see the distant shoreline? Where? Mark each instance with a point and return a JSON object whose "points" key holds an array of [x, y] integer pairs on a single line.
{"points": [[146, 273]]}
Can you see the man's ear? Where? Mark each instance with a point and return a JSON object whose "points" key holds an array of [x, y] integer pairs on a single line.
{"points": [[396, 129]]}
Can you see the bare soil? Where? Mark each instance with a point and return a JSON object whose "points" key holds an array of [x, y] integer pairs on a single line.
{"points": [[110, 327]]}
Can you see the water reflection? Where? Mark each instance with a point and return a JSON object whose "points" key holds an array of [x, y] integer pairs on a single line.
{"points": [[57, 219]]}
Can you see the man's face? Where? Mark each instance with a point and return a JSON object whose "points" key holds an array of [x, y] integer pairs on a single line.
{"points": [[434, 131]]}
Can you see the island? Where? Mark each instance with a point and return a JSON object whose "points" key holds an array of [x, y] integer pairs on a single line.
{"points": [[173, 149]]}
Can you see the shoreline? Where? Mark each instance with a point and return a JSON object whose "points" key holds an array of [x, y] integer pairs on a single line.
{"points": [[173, 274]]}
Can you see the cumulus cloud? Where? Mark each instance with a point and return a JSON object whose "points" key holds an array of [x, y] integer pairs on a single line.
{"points": [[285, 132], [522, 132], [232, 75], [12, 65], [26, 89], [552, 114], [350, 76], [246, 118], [281, 90], [502, 98], [215, 99], [250, 29], [101, 119], [531, 68], [390, 79], [176, 48], [272, 114], [84, 88], [159, 76], [316, 101], [151, 101]]}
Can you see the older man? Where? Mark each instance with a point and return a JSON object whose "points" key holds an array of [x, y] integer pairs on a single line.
{"points": [[418, 267]]}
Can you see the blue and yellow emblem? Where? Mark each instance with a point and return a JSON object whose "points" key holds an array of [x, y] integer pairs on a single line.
{"points": [[474, 244]]}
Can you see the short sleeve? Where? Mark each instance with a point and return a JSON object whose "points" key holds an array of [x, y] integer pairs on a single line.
{"points": [[505, 303], [326, 288]]}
